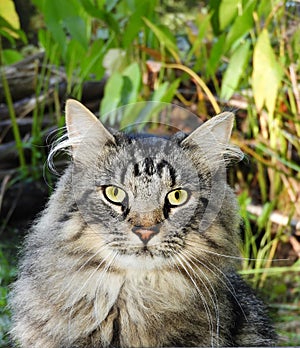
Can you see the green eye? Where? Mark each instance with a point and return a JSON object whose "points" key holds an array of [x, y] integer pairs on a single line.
{"points": [[114, 194], [177, 197]]}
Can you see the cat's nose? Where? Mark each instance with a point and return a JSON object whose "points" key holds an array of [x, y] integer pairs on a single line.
{"points": [[145, 234]]}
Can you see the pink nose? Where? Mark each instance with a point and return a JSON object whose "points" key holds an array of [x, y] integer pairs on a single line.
{"points": [[145, 234]]}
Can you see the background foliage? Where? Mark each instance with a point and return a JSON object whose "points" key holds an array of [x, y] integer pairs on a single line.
{"points": [[242, 55]]}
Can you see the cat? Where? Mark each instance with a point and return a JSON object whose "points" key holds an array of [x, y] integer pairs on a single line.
{"points": [[138, 245]]}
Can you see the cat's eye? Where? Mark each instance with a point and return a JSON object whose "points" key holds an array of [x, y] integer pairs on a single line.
{"points": [[114, 194], [177, 197]]}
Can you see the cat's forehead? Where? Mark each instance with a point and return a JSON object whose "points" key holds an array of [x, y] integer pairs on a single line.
{"points": [[151, 163], [138, 150]]}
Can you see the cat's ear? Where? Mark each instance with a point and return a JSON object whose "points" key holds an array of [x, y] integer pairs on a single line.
{"points": [[215, 132], [83, 127]]}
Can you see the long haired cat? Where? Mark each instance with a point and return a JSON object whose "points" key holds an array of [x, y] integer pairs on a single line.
{"points": [[138, 246]]}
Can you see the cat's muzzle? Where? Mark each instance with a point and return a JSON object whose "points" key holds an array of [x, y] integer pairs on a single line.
{"points": [[145, 234]]}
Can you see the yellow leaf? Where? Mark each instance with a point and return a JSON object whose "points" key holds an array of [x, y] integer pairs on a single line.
{"points": [[8, 12], [267, 74]]}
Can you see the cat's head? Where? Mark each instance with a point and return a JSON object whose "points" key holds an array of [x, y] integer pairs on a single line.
{"points": [[148, 200]]}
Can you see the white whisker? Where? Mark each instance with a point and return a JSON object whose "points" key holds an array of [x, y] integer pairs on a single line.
{"points": [[78, 270], [78, 293], [226, 282], [97, 293], [240, 258], [214, 298], [181, 260]]}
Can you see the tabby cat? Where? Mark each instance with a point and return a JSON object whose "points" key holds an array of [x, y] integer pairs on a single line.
{"points": [[138, 246]]}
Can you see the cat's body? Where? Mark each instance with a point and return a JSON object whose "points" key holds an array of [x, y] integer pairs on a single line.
{"points": [[119, 256]]}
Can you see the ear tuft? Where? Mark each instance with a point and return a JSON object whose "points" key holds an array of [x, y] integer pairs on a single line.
{"points": [[217, 130], [83, 126], [221, 126], [212, 138]]}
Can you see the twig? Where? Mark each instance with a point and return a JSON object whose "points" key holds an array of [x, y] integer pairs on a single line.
{"points": [[295, 86], [3, 188], [295, 244], [199, 81], [277, 218]]}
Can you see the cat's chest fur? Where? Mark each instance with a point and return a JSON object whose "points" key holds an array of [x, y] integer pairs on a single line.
{"points": [[141, 310]]}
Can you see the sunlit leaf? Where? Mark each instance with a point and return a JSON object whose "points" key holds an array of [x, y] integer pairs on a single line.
{"points": [[235, 70], [265, 7], [227, 12], [295, 41], [266, 75], [114, 60], [242, 25], [10, 32], [8, 12], [11, 56], [171, 91], [112, 97], [160, 92]]}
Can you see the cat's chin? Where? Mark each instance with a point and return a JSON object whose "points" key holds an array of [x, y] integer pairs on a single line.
{"points": [[145, 261]]}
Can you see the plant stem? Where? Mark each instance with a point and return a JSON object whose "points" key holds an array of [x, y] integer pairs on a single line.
{"points": [[12, 114]]}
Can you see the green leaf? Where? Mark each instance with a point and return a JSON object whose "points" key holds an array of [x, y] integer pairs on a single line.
{"points": [[93, 64], [160, 92], [111, 4], [267, 74], [135, 21], [133, 73], [241, 26], [77, 29], [216, 53], [99, 13], [213, 7], [130, 114], [54, 21], [112, 97], [295, 42], [11, 56], [203, 28], [68, 17], [74, 54], [227, 12], [145, 112], [150, 112], [265, 7], [10, 32], [235, 70], [163, 39], [170, 93]]}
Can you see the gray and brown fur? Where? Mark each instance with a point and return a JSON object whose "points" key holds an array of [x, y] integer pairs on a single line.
{"points": [[87, 280]]}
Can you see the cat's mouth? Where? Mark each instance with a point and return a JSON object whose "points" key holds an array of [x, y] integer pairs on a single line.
{"points": [[152, 248], [143, 258]]}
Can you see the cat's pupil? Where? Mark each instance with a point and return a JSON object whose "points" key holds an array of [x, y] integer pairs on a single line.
{"points": [[177, 195], [115, 192]]}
